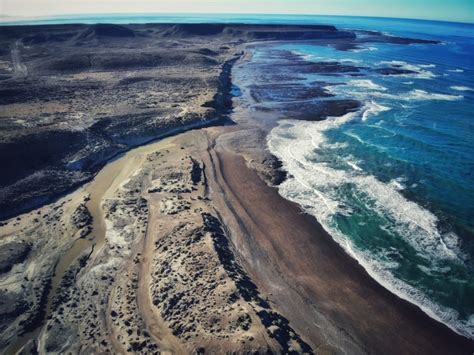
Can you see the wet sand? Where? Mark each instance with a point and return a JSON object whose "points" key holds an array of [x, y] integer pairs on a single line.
{"points": [[326, 295]]}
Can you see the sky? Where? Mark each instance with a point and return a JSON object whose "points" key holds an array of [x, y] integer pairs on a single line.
{"points": [[447, 10]]}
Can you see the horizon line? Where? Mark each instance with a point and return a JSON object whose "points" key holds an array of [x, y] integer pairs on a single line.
{"points": [[6, 16]]}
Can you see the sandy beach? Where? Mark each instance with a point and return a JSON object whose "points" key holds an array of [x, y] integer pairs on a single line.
{"points": [[324, 293]]}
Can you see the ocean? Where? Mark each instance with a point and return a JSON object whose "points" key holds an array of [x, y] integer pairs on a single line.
{"points": [[392, 183]]}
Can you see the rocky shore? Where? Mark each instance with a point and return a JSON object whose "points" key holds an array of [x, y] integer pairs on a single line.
{"points": [[74, 96]]}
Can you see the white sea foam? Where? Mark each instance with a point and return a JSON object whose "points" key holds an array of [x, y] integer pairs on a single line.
{"points": [[410, 220], [378, 271], [397, 184], [313, 57], [424, 95], [433, 269], [315, 187], [461, 88], [307, 56], [337, 145], [456, 70], [365, 49], [348, 60], [366, 84], [420, 69], [412, 95], [303, 55], [354, 166], [372, 108], [393, 62]]}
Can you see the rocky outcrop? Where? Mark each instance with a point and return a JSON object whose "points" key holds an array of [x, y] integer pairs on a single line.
{"points": [[12, 253]]}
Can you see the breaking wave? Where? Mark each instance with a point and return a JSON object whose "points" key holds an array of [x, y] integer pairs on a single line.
{"points": [[322, 190], [377, 91], [462, 88], [419, 70], [366, 84]]}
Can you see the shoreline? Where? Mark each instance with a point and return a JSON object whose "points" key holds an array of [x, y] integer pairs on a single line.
{"points": [[397, 287], [421, 308], [421, 333]]}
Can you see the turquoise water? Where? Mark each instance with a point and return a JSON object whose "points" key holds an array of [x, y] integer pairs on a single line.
{"points": [[392, 183]]}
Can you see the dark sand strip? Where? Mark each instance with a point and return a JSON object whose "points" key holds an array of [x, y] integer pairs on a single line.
{"points": [[327, 296]]}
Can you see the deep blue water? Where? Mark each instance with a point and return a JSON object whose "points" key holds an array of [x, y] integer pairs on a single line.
{"points": [[394, 182]]}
